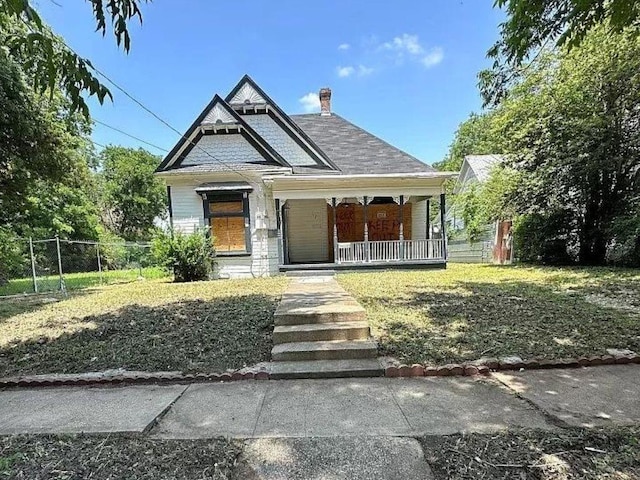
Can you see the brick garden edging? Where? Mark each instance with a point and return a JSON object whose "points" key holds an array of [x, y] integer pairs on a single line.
{"points": [[479, 367], [130, 378], [487, 365]]}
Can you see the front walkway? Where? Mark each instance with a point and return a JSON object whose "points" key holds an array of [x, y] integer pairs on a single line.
{"points": [[334, 407]]}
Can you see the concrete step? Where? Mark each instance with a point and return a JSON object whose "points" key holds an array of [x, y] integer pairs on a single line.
{"points": [[314, 332], [367, 367], [328, 350], [310, 273], [346, 313]]}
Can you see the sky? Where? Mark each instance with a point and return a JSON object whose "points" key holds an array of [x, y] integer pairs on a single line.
{"points": [[405, 71]]}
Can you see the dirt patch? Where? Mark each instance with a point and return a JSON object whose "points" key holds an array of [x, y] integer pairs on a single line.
{"points": [[105, 457], [612, 453]]}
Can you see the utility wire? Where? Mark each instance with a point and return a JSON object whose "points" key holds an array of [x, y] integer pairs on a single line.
{"points": [[129, 135], [147, 109]]}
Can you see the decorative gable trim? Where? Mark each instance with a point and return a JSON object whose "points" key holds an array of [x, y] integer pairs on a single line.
{"points": [[244, 95], [218, 112], [281, 118]]}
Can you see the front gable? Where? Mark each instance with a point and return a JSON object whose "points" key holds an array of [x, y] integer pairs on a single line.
{"points": [[220, 135], [275, 126]]}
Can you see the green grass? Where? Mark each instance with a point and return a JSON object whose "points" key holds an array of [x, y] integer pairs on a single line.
{"points": [[77, 281], [470, 311], [148, 325], [108, 457], [602, 453]]}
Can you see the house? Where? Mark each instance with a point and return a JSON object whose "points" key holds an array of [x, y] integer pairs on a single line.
{"points": [[495, 243], [282, 192]]}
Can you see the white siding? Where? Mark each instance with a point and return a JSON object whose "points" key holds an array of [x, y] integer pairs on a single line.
{"points": [[307, 232], [279, 139], [188, 214], [230, 148], [419, 220], [186, 206]]}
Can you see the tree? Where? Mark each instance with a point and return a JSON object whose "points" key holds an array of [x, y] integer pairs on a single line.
{"points": [[52, 63], [572, 125], [133, 196], [532, 25], [43, 162], [474, 136], [483, 203]]}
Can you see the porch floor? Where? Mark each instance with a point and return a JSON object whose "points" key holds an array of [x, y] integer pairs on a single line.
{"points": [[382, 265]]}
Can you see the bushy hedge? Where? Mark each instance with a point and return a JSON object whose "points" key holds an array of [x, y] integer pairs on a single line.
{"points": [[191, 257], [553, 240], [543, 238]]}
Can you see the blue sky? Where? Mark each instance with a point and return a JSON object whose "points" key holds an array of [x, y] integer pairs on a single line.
{"points": [[406, 71]]}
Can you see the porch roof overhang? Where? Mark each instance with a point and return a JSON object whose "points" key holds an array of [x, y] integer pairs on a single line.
{"points": [[286, 187]]}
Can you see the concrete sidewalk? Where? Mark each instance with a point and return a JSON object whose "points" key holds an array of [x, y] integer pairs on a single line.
{"points": [[334, 407]]}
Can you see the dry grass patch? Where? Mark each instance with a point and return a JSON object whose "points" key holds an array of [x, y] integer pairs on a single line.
{"points": [[611, 453], [108, 457], [148, 325], [470, 311]]}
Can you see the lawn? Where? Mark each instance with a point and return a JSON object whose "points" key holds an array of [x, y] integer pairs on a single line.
{"points": [[107, 457], [78, 281], [612, 453], [146, 325], [471, 311]]}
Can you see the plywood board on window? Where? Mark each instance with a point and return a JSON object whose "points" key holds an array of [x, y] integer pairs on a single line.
{"points": [[228, 234], [383, 222]]}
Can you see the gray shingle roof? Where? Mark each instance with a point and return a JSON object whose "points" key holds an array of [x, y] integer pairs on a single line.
{"points": [[354, 150], [482, 164]]}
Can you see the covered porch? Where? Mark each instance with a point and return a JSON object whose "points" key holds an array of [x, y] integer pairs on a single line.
{"points": [[359, 221]]}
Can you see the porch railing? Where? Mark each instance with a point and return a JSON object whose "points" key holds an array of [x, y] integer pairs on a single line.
{"points": [[390, 251]]}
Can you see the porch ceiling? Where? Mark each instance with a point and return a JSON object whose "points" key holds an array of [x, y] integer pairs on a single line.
{"points": [[321, 186]]}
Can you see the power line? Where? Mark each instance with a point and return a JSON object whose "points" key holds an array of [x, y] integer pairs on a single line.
{"points": [[164, 122], [145, 108], [129, 135]]}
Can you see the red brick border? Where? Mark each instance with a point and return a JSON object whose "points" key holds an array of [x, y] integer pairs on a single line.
{"points": [[485, 366], [138, 378], [479, 367]]}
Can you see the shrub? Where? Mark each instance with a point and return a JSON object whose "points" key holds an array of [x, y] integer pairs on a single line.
{"points": [[190, 256], [624, 248], [13, 257], [544, 238]]}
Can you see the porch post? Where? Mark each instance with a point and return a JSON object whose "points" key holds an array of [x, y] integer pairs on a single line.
{"points": [[428, 232], [366, 232], [401, 227], [335, 232], [279, 226], [442, 226]]}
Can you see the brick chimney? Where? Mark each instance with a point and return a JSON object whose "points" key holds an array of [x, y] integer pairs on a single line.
{"points": [[325, 101]]}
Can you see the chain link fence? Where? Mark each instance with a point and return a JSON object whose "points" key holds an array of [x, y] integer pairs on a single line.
{"points": [[56, 265]]}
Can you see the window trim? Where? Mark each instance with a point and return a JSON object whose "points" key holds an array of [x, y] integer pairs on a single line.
{"points": [[208, 215]]}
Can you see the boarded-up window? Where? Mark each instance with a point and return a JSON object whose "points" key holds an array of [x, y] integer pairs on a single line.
{"points": [[228, 217]]}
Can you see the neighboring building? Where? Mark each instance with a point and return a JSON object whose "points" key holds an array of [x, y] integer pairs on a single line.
{"points": [[283, 192], [495, 244]]}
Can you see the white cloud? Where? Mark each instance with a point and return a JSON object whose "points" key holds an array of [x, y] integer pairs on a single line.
{"points": [[310, 102], [364, 71], [360, 71], [345, 71], [344, 46], [409, 46], [405, 43], [432, 58]]}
